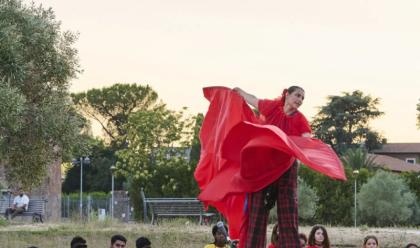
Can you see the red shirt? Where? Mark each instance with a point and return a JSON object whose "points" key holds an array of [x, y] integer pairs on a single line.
{"points": [[295, 124]]}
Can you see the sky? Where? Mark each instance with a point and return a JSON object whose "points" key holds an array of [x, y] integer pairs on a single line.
{"points": [[327, 47]]}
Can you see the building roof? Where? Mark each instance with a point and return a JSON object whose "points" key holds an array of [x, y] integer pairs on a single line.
{"points": [[394, 164], [399, 148]]}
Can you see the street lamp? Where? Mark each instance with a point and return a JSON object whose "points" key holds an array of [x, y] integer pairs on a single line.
{"points": [[81, 161], [355, 174], [113, 168]]}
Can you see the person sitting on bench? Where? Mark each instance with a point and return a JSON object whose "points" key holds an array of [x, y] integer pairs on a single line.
{"points": [[20, 205]]}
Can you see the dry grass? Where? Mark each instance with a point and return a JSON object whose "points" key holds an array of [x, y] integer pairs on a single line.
{"points": [[179, 233]]}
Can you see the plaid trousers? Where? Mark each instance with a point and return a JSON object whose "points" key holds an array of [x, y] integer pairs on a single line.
{"points": [[254, 225]]}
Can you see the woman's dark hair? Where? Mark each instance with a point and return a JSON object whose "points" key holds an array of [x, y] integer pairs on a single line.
{"points": [[293, 88], [311, 240], [411, 245], [274, 235], [365, 240], [303, 236], [289, 90]]}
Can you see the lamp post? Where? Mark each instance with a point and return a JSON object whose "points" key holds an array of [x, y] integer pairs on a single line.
{"points": [[355, 174], [113, 168], [81, 161]]}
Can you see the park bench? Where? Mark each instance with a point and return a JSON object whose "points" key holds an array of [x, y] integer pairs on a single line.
{"points": [[36, 209], [174, 207]]}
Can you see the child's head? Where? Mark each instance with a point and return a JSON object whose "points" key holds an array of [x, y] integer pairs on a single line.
{"points": [[319, 236], [370, 241], [303, 240], [275, 234], [219, 235]]}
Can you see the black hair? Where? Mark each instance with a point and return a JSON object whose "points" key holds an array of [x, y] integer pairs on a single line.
{"points": [[142, 241], [411, 245], [311, 239], [78, 242], [117, 237], [293, 88], [215, 228]]}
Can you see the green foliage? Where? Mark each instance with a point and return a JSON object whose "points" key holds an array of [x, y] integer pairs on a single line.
{"points": [[343, 121], [96, 175], [37, 61], [156, 157], [418, 115], [386, 200], [335, 198], [307, 200], [111, 107], [358, 158]]}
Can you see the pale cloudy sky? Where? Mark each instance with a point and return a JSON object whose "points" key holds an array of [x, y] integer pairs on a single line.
{"points": [[325, 46]]}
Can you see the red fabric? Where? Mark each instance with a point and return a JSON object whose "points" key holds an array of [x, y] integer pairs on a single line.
{"points": [[272, 110], [239, 155], [271, 246]]}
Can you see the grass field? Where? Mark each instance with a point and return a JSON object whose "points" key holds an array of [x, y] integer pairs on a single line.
{"points": [[180, 233]]}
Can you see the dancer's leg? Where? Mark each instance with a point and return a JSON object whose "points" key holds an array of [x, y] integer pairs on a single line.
{"points": [[287, 209]]}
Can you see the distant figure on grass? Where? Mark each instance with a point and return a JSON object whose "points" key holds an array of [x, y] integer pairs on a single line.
{"points": [[370, 241], [220, 237], [118, 241], [20, 205], [318, 238], [78, 242], [143, 242]]}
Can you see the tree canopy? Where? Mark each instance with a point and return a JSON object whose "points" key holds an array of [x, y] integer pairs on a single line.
{"points": [[111, 107], [38, 121], [344, 121]]}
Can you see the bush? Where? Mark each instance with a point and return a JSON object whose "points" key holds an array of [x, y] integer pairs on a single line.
{"points": [[386, 200], [307, 200]]}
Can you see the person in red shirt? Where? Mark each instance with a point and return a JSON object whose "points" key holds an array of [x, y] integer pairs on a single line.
{"points": [[318, 238], [284, 114]]}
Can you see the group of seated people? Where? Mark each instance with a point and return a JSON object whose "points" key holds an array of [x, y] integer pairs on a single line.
{"points": [[117, 241], [318, 238]]}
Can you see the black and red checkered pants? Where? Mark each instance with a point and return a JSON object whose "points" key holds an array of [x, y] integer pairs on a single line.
{"points": [[254, 226]]}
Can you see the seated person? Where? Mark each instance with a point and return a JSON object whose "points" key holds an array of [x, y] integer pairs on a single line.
{"points": [[20, 205], [220, 237], [143, 242]]}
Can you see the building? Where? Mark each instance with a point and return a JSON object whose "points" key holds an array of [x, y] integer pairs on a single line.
{"points": [[398, 157]]}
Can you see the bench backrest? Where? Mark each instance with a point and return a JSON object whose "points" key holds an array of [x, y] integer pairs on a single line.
{"points": [[175, 205], [4, 204], [36, 206]]}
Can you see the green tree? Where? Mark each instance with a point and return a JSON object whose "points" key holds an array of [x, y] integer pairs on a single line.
{"points": [[37, 61], [335, 198], [111, 107], [386, 200], [307, 200], [96, 175], [358, 158], [156, 157], [344, 121]]}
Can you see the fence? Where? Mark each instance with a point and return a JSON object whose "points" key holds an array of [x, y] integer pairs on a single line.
{"points": [[92, 207]]}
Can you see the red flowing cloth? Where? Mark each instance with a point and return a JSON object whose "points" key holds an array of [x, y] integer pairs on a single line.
{"points": [[239, 154]]}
